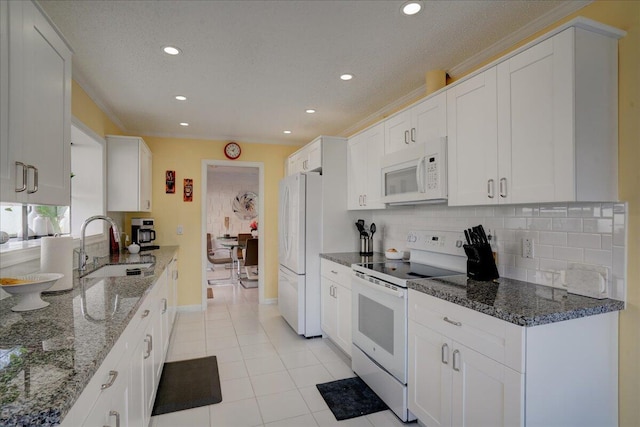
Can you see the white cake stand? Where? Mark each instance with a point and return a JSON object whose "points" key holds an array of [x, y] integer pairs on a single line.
{"points": [[28, 294]]}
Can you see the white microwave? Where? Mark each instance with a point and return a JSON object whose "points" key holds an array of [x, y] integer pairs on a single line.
{"points": [[417, 174]]}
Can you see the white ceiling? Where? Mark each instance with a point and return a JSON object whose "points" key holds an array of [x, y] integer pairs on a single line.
{"points": [[251, 68]]}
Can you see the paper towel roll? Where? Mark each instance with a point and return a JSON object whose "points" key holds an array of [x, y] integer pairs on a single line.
{"points": [[56, 256]]}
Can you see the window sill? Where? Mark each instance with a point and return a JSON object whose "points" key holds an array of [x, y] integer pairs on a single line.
{"points": [[18, 252]]}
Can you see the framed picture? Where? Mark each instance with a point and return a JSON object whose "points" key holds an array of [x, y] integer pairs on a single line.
{"points": [[170, 178], [188, 190]]}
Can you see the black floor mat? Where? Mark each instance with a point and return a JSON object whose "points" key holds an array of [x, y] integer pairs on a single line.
{"points": [[188, 384], [350, 398]]}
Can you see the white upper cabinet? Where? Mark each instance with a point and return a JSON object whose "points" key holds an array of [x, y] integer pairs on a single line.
{"points": [[472, 129], [364, 180], [35, 91], [540, 126], [422, 122], [129, 164], [306, 159]]}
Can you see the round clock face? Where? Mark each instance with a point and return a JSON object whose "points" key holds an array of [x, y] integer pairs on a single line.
{"points": [[232, 150]]}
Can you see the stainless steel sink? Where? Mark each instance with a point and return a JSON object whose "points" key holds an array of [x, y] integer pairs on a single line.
{"points": [[118, 270]]}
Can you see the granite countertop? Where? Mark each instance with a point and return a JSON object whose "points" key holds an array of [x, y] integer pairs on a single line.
{"points": [[521, 303], [348, 258], [48, 356]]}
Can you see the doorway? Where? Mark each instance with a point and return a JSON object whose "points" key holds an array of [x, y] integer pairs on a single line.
{"points": [[232, 203]]}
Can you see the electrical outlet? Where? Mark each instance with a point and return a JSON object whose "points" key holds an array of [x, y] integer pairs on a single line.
{"points": [[179, 230], [527, 247]]}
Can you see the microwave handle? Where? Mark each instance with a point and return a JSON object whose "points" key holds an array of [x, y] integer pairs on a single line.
{"points": [[420, 170]]}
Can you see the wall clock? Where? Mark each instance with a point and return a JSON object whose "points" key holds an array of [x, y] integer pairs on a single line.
{"points": [[232, 150]]}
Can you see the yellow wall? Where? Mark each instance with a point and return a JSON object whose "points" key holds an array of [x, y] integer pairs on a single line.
{"points": [[84, 109], [185, 157]]}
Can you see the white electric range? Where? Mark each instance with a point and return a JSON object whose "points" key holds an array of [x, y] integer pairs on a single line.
{"points": [[379, 304]]}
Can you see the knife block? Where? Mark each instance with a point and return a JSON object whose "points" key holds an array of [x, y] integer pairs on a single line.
{"points": [[480, 263]]}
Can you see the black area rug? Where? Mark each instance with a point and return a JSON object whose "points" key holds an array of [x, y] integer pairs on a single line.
{"points": [[350, 398], [188, 384]]}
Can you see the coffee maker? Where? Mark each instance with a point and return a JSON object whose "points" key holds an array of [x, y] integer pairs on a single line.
{"points": [[143, 234]]}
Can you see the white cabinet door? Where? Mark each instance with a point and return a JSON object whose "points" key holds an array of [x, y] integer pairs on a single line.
{"points": [[429, 379], [329, 308], [313, 161], [128, 174], [364, 180], [112, 407], [429, 119], [535, 135], [484, 392], [397, 131], [343, 317], [35, 92], [472, 133]]}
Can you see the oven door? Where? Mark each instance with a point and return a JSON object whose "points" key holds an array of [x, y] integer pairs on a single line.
{"points": [[380, 324]]}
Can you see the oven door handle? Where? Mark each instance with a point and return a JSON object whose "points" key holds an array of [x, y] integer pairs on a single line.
{"points": [[400, 293]]}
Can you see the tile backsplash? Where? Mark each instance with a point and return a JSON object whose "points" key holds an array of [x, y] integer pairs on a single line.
{"points": [[564, 235]]}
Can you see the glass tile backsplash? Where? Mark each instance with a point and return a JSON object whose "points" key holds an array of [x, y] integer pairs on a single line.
{"points": [[564, 235]]}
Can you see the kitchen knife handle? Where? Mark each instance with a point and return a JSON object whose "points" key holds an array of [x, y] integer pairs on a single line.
{"points": [[490, 192], [445, 354], [503, 189], [406, 137]]}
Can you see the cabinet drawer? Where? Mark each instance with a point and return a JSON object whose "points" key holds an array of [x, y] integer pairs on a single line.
{"points": [[336, 272], [492, 337]]}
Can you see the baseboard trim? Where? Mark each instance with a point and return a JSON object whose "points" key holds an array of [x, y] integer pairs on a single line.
{"points": [[189, 308]]}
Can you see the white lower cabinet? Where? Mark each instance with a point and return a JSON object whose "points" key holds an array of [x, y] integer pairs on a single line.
{"points": [[122, 391], [335, 283], [453, 385], [470, 369]]}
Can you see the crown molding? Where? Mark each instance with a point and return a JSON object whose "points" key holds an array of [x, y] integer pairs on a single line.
{"points": [[220, 138], [540, 23]]}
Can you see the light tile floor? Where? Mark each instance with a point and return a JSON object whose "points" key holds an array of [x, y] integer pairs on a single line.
{"points": [[267, 372]]}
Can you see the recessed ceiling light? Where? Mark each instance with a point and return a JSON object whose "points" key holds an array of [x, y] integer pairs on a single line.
{"points": [[310, 111], [171, 50], [346, 76], [181, 97], [286, 132], [411, 7], [184, 124]]}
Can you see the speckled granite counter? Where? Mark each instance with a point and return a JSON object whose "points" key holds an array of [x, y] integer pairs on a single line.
{"points": [[48, 356], [522, 303], [348, 258]]}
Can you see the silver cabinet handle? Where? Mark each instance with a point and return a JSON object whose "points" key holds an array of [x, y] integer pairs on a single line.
{"points": [[406, 136], [164, 305], [503, 189], [445, 354], [364, 197], [360, 200], [24, 177], [453, 322], [113, 413], [456, 367], [35, 179], [112, 378], [413, 134], [490, 189], [149, 340], [334, 272], [145, 313]]}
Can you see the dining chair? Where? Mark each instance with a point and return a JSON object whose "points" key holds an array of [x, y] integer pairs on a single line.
{"points": [[242, 240], [250, 264], [218, 255]]}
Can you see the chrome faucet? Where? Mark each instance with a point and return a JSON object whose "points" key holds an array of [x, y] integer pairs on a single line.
{"points": [[82, 255]]}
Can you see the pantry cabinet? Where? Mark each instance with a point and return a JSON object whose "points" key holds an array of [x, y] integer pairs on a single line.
{"points": [[364, 179], [335, 283], [466, 368], [129, 167], [35, 107], [422, 122], [539, 126]]}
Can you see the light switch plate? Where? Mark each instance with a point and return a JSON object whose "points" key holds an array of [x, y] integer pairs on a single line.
{"points": [[179, 230]]}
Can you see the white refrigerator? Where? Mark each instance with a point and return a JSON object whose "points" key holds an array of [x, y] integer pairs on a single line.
{"points": [[300, 243]]}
